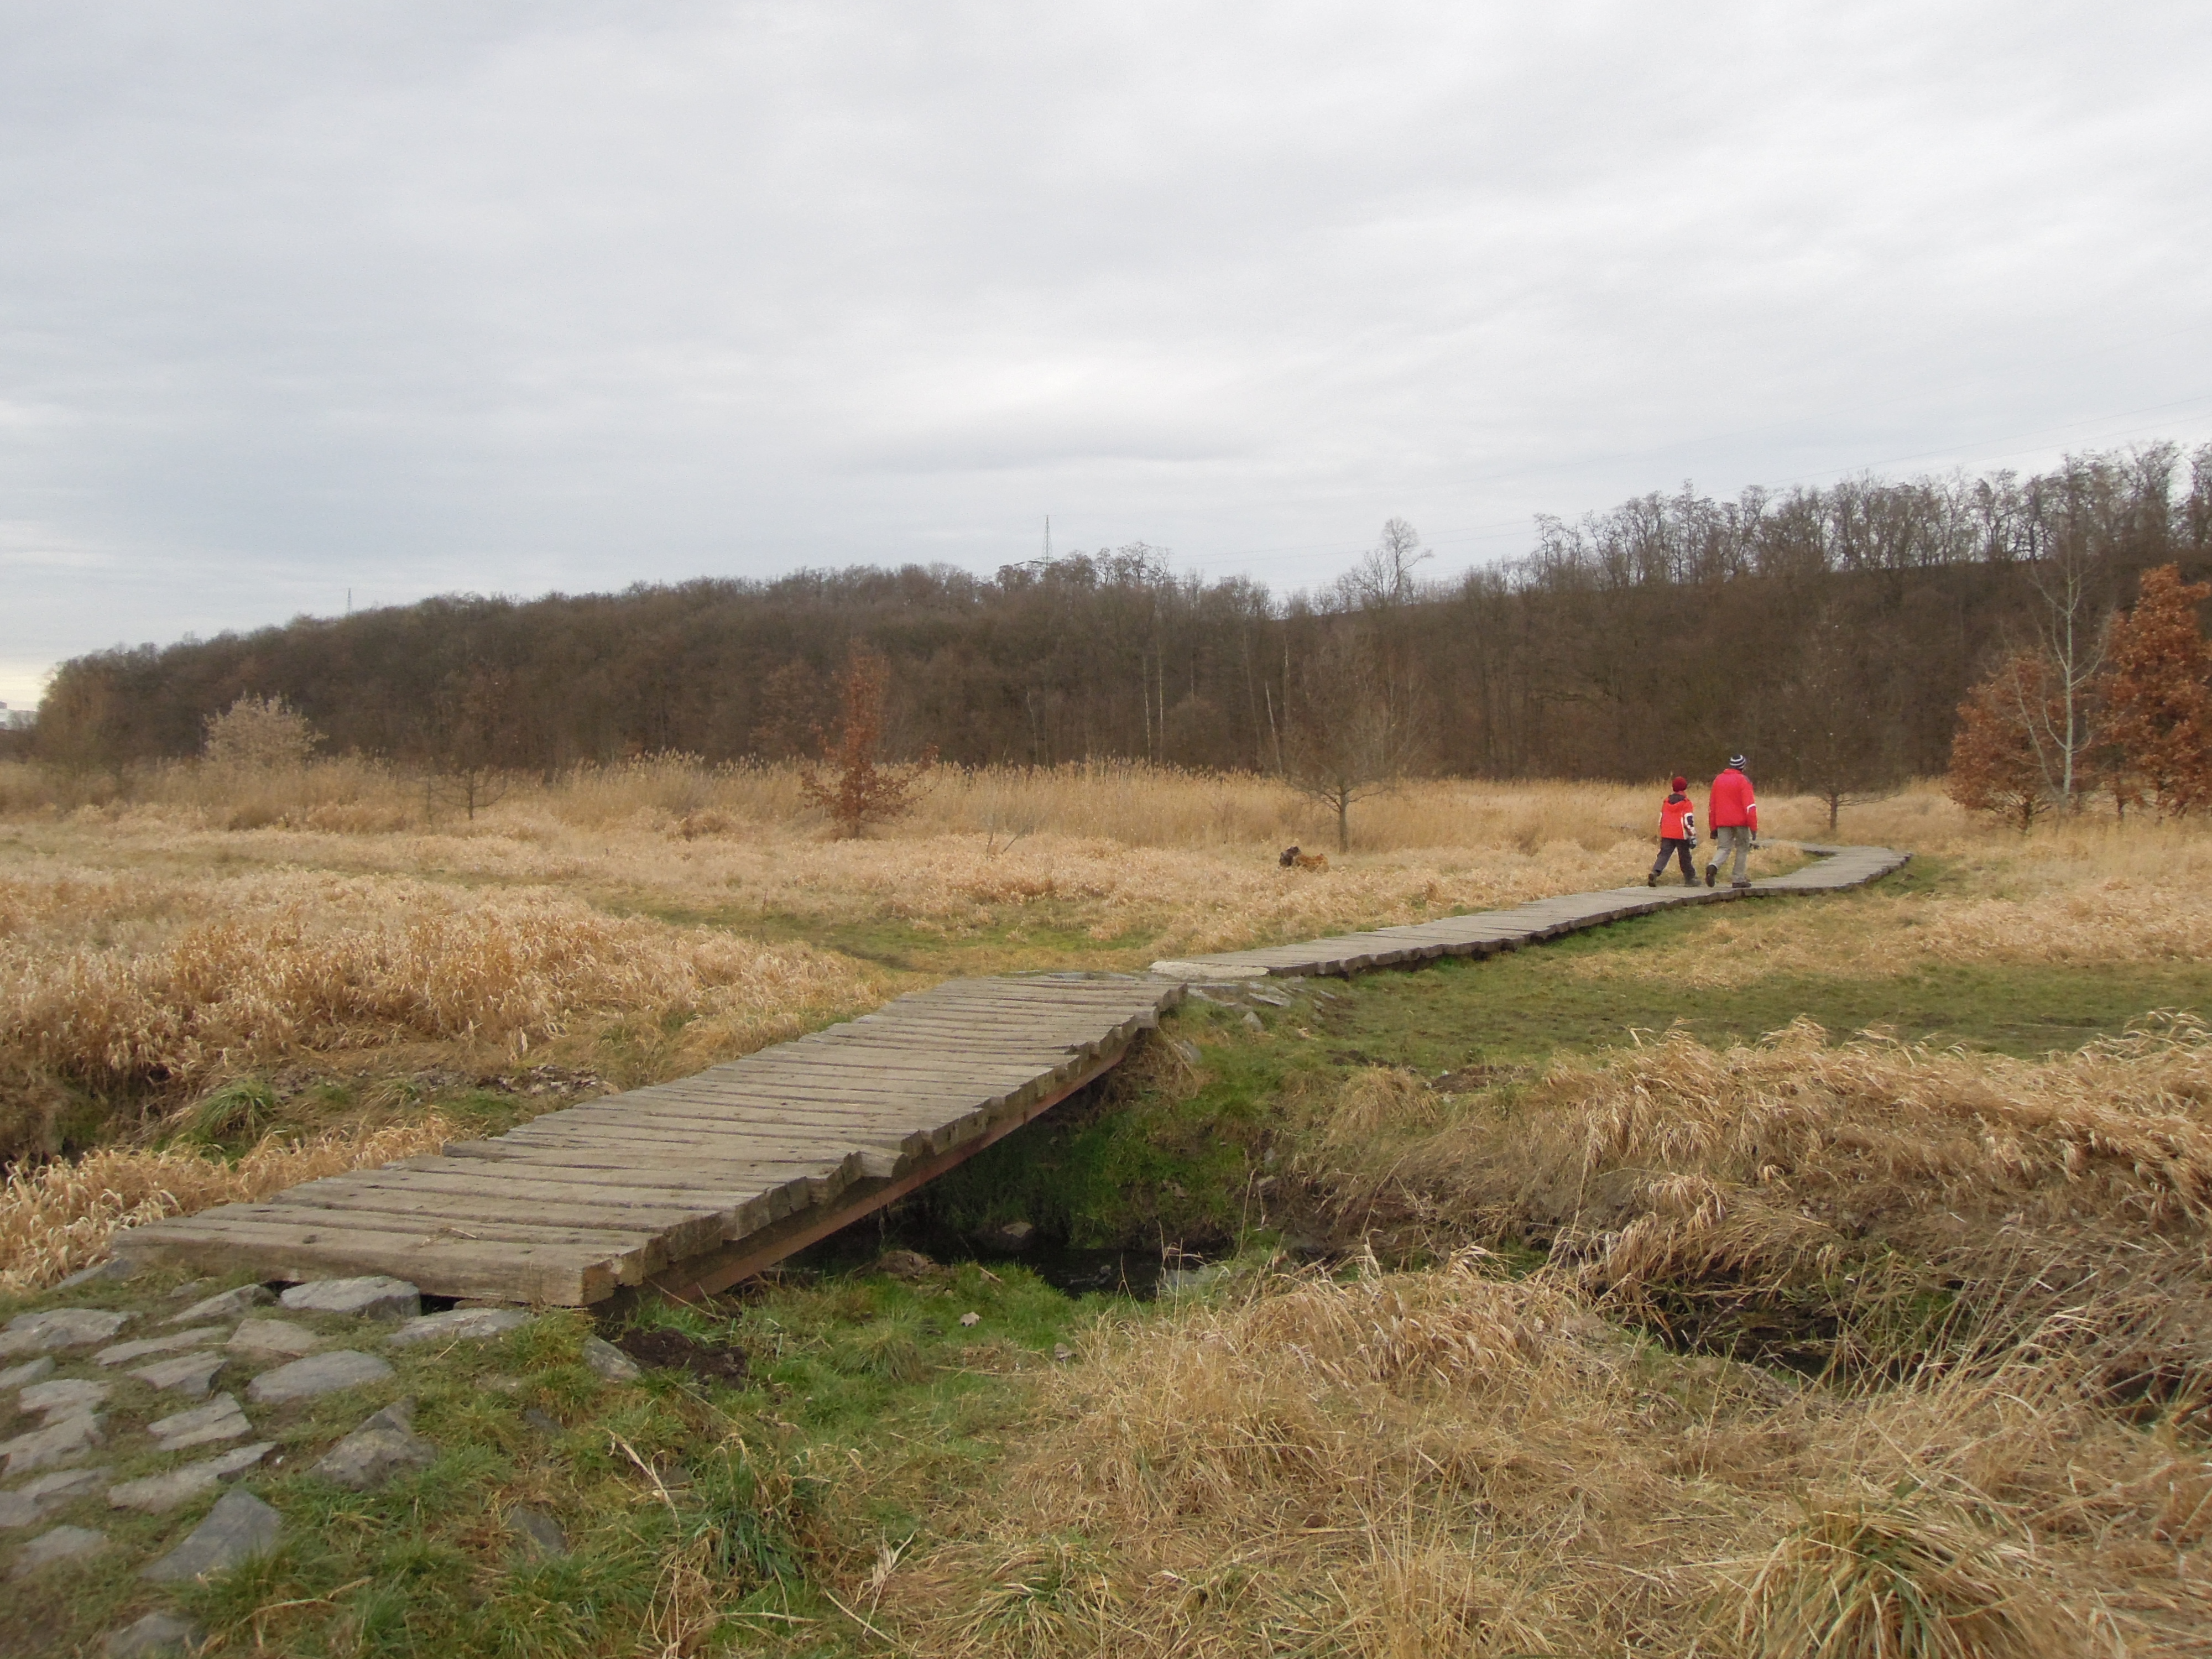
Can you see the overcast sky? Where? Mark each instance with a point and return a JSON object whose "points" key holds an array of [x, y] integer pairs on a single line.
{"points": [[407, 298]]}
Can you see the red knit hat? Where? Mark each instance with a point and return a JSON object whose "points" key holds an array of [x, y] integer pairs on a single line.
{"points": [[1681, 783]]}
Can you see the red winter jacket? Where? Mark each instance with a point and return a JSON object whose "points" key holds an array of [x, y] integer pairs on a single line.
{"points": [[1733, 806], [1676, 820]]}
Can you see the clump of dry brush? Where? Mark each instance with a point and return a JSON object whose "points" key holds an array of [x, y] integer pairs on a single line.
{"points": [[145, 989], [1868, 1203], [1454, 1461]]}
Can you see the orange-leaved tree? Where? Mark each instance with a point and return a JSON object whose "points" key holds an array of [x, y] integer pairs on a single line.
{"points": [[1995, 763], [2157, 692], [857, 790]]}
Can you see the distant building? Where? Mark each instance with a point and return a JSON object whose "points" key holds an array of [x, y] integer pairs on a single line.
{"points": [[17, 719]]}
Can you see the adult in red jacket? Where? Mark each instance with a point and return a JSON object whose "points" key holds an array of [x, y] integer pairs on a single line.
{"points": [[1733, 815]]}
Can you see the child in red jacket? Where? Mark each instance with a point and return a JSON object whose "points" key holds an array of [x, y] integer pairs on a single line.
{"points": [[1678, 834], [1734, 820]]}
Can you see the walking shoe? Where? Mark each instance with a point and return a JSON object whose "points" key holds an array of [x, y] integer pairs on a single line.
{"points": [[1651, 880], [1689, 881], [1711, 870], [1739, 883]]}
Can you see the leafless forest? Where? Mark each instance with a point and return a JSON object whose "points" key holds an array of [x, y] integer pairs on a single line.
{"points": [[1832, 630]]}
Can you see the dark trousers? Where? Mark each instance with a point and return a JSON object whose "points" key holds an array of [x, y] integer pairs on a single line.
{"points": [[1671, 848]]}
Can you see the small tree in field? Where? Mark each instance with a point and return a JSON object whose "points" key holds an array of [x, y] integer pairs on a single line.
{"points": [[258, 734], [2158, 693], [1354, 731], [1996, 765], [857, 791]]}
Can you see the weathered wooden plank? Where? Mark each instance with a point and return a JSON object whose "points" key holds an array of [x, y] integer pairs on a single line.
{"points": [[285, 1248]]}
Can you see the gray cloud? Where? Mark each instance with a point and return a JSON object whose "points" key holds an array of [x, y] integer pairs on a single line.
{"points": [[407, 298]]}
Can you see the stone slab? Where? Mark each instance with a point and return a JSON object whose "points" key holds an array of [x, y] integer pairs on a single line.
{"points": [[317, 1374], [189, 1375], [222, 1419], [59, 1327], [224, 1305], [30, 1371], [50, 1548], [64, 1396], [239, 1528], [269, 1337], [373, 1297], [459, 1325], [62, 1441], [610, 1362], [157, 1494], [145, 1345], [157, 1636], [385, 1445]]}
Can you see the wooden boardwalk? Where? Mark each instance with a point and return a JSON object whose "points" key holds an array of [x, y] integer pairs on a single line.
{"points": [[1486, 932], [692, 1185]]}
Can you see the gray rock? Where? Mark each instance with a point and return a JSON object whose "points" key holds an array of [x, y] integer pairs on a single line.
{"points": [[197, 1337], [540, 1533], [61, 1544], [58, 1486], [272, 1336], [610, 1362], [374, 1297], [158, 1494], [460, 1325], [1253, 1021], [226, 1305], [40, 1496], [116, 1268], [192, 1376], [59, 1327], [157, 1636], [380, 1449], [543, 1422], [65, 1396], [237, 1529], [63, 1442], [221, 1418], [317, 1374], [17, 1377]]}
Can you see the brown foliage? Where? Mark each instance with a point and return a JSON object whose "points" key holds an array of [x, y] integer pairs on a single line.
{"points": [[260, 732], [2158, 693], [861, 792], [1995, 764]]}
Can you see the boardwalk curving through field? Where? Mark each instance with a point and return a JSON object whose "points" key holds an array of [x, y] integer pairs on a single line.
{"points": [[693, 1185]]}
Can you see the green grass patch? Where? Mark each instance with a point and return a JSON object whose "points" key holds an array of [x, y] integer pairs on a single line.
{"points": [[1531, 1005]]}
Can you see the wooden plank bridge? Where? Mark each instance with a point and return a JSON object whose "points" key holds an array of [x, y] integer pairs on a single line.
{"points": [[693, 1185]]}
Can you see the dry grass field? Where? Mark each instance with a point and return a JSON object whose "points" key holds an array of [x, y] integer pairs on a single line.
{"points": [[1827, 1342]]}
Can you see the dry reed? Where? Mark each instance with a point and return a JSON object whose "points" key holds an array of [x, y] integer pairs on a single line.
{"points": [[1450, 1461], [56, 1218], [140, 989], [1871, 1187]]}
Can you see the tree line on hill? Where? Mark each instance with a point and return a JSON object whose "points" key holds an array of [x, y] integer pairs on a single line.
{"points": [[1832, 633]]}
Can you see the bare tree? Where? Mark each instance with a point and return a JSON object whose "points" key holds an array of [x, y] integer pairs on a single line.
{"points": [[2069, 621], [1832, 725], [469, 725], [1382, 579], [1352, 732]]}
